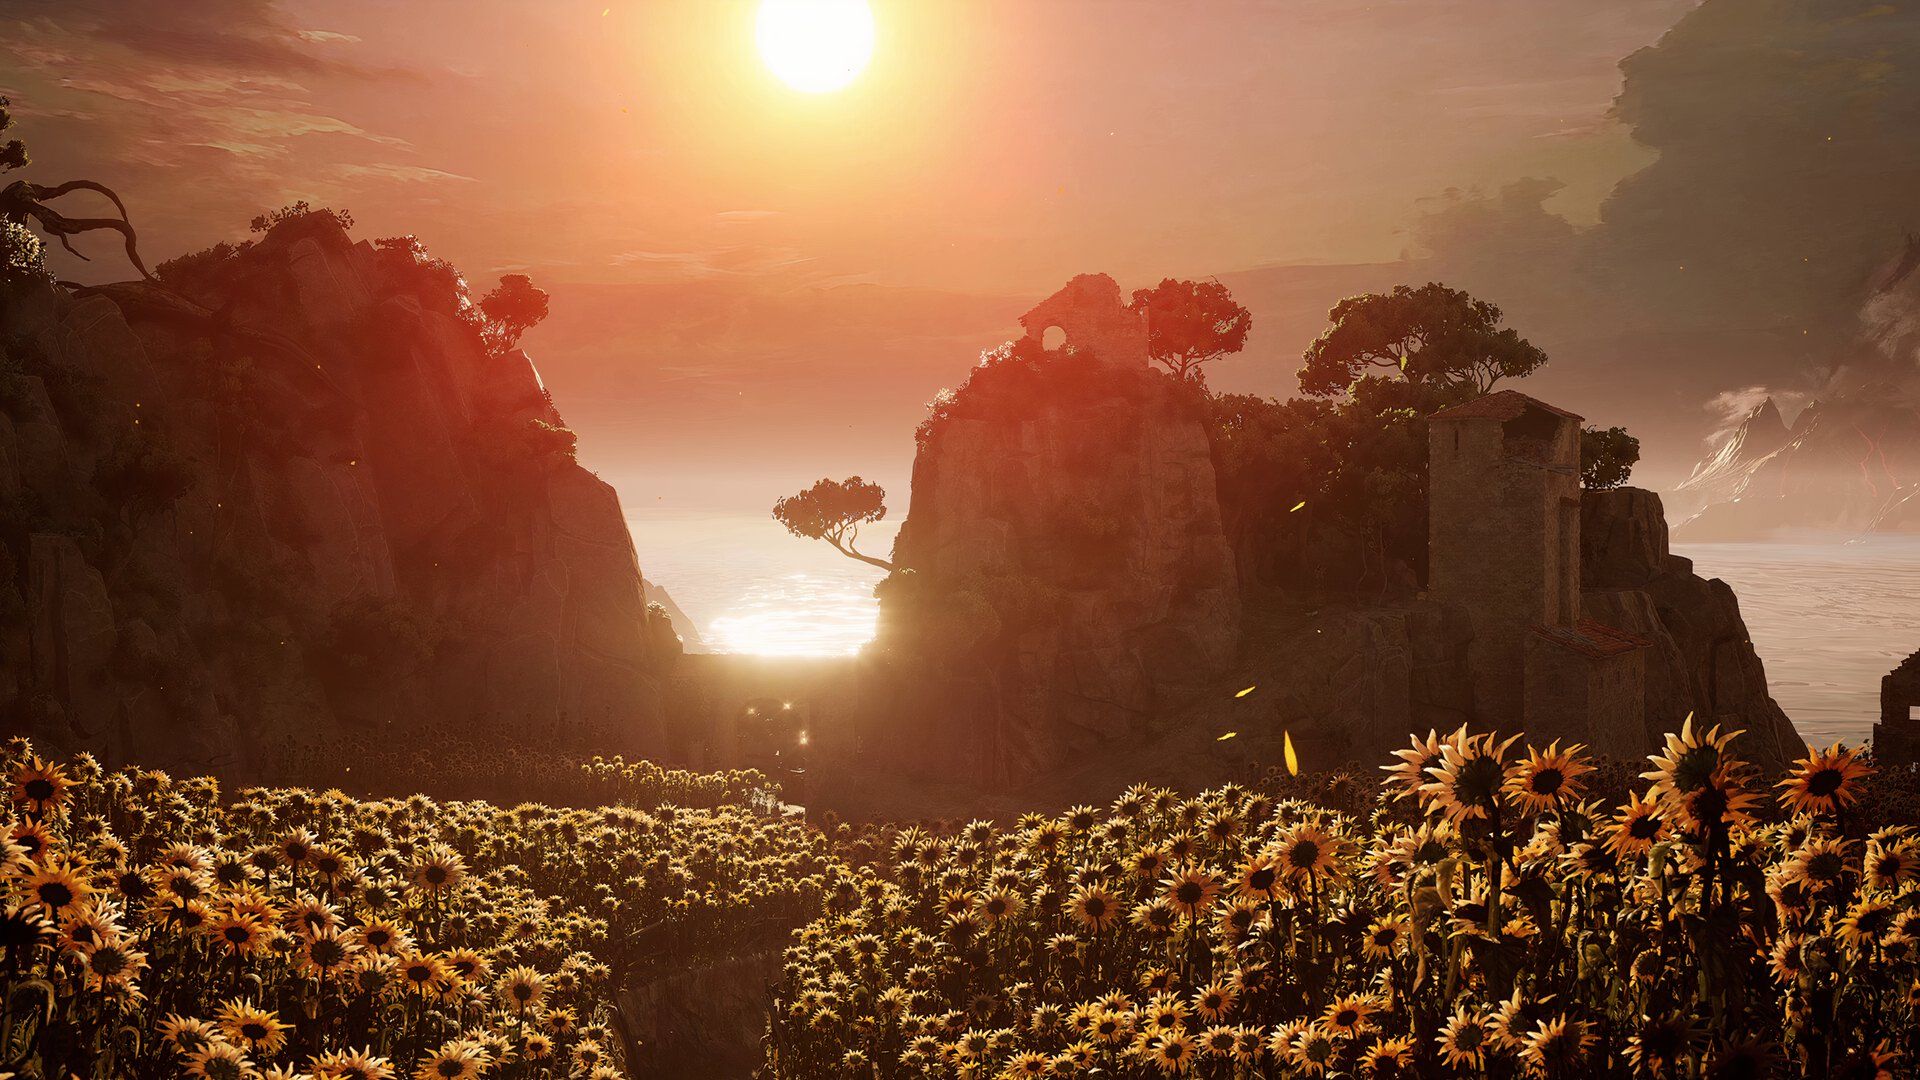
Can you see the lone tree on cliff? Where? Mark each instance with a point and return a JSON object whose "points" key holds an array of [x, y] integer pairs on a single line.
{"points": [[1432, 335], [514, 307], [834, 510], [1192, 322]]}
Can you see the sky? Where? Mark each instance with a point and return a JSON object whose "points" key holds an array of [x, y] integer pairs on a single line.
{"points": [[989, 146], [754, 286]]}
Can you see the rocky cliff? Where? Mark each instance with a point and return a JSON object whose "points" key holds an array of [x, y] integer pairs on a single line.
{"points": [[289, 495], [1702, 661], [1063, 576]]}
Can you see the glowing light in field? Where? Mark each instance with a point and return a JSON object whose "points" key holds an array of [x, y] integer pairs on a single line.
{"points": [[815, 45], [1245, 692], [1293, 759]]}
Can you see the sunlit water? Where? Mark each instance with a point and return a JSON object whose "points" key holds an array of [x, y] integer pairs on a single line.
{"points": [[1828, 621], [752, 588]]}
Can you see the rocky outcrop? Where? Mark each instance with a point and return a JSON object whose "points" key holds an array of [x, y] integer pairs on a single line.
{"points": [[1724, 474], [1063, 573], [293, 495], [1702, 661]]}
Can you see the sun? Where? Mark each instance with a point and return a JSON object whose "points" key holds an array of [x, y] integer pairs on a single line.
{"points": [[815, 45]]}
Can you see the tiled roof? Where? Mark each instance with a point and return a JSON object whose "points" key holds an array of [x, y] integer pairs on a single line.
{"points": [[1500, 405], [1591, 638]]}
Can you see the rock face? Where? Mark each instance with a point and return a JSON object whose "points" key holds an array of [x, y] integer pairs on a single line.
{"points": [[1702, 661], [1063, 572], [294, 496]]}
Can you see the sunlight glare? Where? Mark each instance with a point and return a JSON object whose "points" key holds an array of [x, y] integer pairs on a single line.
{"points": [[815, 45]]}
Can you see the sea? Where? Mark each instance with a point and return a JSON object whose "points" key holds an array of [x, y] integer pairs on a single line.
{"points": [[1828, 618]]}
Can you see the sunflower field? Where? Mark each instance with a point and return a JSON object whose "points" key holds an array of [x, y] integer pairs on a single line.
{"points": [[153, 928], [1482, 917]]}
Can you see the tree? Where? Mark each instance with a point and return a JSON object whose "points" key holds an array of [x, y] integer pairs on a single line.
{"points": [[1192, 322], [24, 200], [1432, 334], [834, 510], [515, 306], [1607, 457]]}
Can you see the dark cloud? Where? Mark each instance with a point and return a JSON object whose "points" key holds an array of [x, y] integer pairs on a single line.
{"points": [[248, 35]]}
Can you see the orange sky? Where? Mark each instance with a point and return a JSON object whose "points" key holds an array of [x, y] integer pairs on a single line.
{"points": [[990, 146]]}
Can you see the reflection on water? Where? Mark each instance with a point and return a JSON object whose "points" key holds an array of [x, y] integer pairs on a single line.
{"points": [[752, 588], [1828, 621]]}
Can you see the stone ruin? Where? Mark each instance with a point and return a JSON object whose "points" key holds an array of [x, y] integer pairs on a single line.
{"points": [[1896, 738], [1504, 548], [1093, 314]]}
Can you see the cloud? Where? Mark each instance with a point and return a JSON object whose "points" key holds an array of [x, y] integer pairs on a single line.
{"points": [[406, 174]]}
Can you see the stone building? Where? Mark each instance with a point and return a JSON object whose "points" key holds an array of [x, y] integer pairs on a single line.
{"points": [[1092, 314], [1896, 738], [1504, 549]]}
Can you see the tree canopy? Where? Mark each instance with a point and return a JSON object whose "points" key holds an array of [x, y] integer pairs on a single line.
{"points": [[1607, 457], [23, 201], [515, 306], [834, 510], [1432, 334], [1192, 322]]}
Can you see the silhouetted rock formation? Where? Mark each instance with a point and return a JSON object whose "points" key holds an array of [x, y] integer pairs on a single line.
{"points": [[1702, 660], [294, 497], [1064, 573]]}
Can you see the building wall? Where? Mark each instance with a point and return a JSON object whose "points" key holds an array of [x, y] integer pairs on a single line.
{"points": [[1504, 546]]}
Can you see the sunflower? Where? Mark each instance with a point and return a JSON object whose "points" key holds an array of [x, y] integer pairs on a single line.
{"points": [[1215, 1001], [1259, 877], [1890, 864], [326, 953], [57, 887], [1718, 802], [1190, 890], [1637, 827], [1094, 908], [1309, 852], [40, 786], [252, 1028], [239, 935], [1000, 905], [351, 1065], [438, 869], [218, 1059], [1544, 779], [1661, 1043], [1467, 783], [1463, 1042], [1825, 780], [1385, 937], [1557, 1045], [1349, 1016], [1171, 1053], [113, 965], [456, 1060], [424, 973], [1690, 761], [521, 988], [1406, 778]]}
